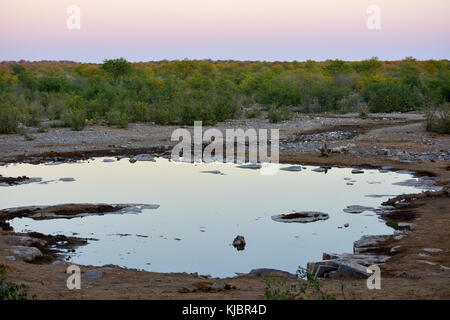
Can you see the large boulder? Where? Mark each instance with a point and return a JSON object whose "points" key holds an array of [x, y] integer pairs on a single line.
{"points": [[349, 269], [372, 244], [28, 254], [13, 240]]}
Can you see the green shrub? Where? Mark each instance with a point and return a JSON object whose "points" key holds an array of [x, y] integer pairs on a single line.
{"points": [[438, 119], [117, 118], [75, 118], [278, 114], [9, 117], [390, 95], [392, 224], [310, 289], [12, 291], [363, 111], [254, 112]]}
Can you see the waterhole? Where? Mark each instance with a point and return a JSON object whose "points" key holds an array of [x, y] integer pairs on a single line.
{"points": [[202, 208]]}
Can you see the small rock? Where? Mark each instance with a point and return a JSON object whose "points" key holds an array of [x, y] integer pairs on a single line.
{"points": [[144, 157], [218, 285], [93, 274], [432, 250], [264, 272], [346, 225], [239, 243], [66, 179], [213, 172], [357, 171], [427, 262], [292, 168]]}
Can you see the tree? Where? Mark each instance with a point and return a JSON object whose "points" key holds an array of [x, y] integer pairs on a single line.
{"points": [[117, 68]]}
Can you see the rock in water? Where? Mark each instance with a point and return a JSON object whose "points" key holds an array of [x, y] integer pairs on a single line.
{"points": [[239, 243], [301, 217]]}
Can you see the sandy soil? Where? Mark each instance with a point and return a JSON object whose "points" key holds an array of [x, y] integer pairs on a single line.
{"points": [[404, 276]]}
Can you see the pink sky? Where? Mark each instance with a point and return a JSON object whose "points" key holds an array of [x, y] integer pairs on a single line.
{"points": [[141, 30]]}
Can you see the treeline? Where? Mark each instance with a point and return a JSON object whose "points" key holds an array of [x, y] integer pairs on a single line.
{"points": [[178, 92]]}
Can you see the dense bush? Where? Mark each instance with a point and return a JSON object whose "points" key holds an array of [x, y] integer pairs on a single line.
{"points": [[438, 119], [278, 114], [180, 92], [9, 116]]}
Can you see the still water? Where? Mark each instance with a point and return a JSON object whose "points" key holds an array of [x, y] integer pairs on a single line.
{"points": [[201, 212]]}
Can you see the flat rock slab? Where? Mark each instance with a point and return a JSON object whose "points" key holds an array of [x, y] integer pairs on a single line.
{"points": [[28, 254], [22, 241], [213, 172], [92, 274], [371, 244], [301, 217], [253, 166], [264, 272], [292, 168], [73, 210], [355, 209]]}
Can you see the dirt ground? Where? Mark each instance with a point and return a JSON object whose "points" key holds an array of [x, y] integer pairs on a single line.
{"points": [[406, 275]]}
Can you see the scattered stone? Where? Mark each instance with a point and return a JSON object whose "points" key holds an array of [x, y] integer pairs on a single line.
{"points": [[144, 157], [66, 179], [357, 171], [421, 254], [406, 226], [92, 274], [432, 250], [239, 243], [218, 285], [346, 225], [426, 262], [301, 217]]}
